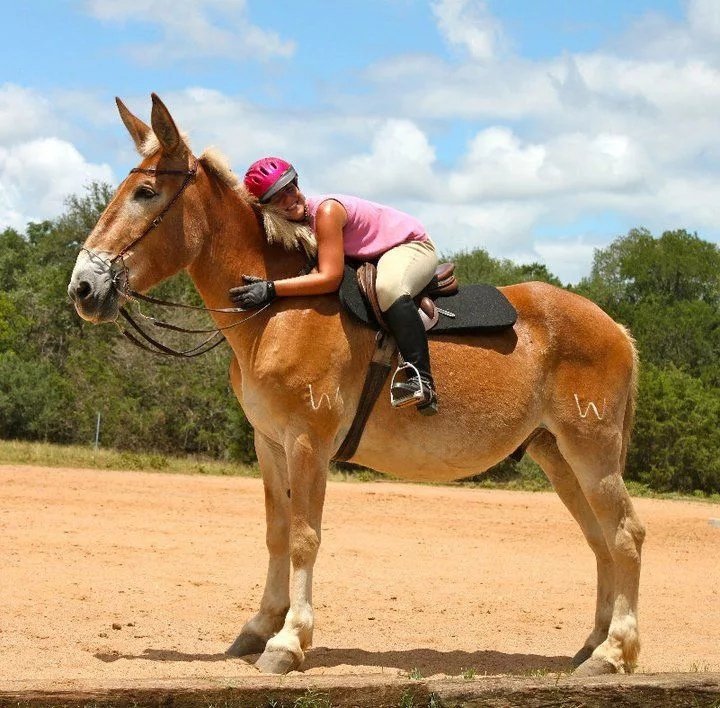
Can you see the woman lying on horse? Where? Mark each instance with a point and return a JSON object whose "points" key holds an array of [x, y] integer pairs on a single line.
{"points": [[355, 228]]}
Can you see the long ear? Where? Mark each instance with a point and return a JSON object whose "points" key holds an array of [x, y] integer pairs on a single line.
{"points": [[165, 129], [138, 130]]}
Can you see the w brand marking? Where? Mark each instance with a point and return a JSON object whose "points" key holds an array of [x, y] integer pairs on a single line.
{"points": [[588, 407], [324, 397]]}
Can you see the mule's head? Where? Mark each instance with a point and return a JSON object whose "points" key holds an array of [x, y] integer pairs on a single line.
{"points": [[149, 231]]}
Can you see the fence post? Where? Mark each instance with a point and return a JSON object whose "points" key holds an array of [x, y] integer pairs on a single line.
{"points": [[97, 432]]}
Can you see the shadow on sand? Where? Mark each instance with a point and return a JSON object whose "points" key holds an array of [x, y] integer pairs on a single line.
{"points": [[426, 661]]}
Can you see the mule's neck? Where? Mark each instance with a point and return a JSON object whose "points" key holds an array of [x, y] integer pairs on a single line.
{"points": [[233, 244]]}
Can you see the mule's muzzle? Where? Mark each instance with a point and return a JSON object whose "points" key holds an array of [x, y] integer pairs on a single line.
{"points": [[92, 289], [94, 304]]}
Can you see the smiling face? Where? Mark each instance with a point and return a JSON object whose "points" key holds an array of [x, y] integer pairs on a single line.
{"points": [[291, 202]]}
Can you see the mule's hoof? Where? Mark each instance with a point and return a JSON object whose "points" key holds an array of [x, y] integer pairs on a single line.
{"points": [[247, 644], [583, 655], [277, 661], [595, 667]]}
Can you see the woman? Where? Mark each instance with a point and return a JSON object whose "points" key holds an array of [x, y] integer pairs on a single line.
{"points": [[363, 230]]}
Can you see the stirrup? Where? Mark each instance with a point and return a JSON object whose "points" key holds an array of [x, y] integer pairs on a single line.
{"points": [[416, 392]]}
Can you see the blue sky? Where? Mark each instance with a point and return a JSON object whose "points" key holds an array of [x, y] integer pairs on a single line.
{"points": [[537, 130]]}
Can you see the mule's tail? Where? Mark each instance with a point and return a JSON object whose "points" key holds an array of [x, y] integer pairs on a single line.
{"points": [[629, 418]]}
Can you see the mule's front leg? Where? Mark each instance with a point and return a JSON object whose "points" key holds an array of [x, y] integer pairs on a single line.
{"points": [[308, 474], [276, 598]]}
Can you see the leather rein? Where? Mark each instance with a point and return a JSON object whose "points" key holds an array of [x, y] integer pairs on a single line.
{"points": [[120, 281]]}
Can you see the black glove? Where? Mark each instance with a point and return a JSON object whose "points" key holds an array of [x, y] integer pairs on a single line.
{"points": [[256, 293]]}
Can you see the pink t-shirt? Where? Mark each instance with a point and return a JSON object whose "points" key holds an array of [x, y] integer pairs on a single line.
{"points": [[371, 229]]}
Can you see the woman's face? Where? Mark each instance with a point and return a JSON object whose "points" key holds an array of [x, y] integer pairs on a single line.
{"points": [[291, 201]]}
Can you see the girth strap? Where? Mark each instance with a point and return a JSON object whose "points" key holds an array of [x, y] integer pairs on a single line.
{"points": [[377, 374]]}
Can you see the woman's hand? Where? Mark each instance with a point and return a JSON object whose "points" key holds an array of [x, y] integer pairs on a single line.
{"points": [[256, 293]]}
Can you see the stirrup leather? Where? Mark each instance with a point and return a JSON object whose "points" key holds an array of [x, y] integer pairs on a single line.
{"points": [[400, 398]]}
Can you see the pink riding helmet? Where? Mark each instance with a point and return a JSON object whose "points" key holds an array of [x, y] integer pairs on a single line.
{"points": [[267, 176]]}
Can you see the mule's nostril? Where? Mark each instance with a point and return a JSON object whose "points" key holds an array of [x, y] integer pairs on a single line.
{"points": [[83, 289]]}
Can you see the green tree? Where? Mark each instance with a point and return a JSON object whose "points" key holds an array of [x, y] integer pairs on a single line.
{"points": [[13, 257], [676, 266], [676, 441], [667, 290], [478, 266]]}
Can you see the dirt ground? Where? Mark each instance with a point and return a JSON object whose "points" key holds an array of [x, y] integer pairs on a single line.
{"points": [[114, 576]]}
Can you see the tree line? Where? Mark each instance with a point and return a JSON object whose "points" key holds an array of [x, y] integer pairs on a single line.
{"points": [[57, 373]]}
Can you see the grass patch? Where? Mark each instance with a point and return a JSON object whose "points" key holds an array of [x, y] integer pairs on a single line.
{"points": [[14, 452], [524, 476], [312, 699]]}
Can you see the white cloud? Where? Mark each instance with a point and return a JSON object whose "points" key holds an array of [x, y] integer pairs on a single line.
{"points": [[22, 113], [37, 176], [469, 24], [501, 227], [195, 28], [571, 259], [704, 18], [499, 165], [400, 162], [39, 165]]}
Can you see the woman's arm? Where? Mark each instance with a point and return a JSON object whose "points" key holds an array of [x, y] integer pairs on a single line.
{"points": [[329, 222]]}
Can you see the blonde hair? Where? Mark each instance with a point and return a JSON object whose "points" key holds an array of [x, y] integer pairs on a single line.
{"points": [[292, 235]]}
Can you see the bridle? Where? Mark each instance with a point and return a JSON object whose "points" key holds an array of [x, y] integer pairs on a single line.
{"points": [[120, 281], [189, 176]]}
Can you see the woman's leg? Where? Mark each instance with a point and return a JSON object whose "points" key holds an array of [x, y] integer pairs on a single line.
{"points": [[402, 273], [404, 270]]}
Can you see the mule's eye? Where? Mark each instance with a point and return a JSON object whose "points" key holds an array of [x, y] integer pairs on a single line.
{"points": [[144, 191]]}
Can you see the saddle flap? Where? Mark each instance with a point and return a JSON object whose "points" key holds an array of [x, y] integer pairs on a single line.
{"points": [[366, 275]]}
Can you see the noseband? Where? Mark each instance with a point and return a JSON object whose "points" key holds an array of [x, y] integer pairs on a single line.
{"points": [[120, 282]]}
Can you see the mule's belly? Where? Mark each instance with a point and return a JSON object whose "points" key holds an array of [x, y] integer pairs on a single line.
{"points": [[489, 402], [435, 455], [423, 468]]}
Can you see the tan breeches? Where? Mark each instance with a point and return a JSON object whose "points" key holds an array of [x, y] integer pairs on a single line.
{"points": [[404, 270]]}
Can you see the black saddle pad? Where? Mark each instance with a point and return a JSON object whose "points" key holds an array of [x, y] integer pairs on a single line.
{"points": [[477, 308]]}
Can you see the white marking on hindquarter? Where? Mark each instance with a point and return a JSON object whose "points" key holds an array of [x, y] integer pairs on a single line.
{"points": [[589, 406], [324, 397]]}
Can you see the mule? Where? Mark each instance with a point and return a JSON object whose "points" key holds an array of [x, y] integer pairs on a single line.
{"points": [[563, 381]]}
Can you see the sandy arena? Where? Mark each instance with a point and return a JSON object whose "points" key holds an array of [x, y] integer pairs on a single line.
{"points": [[109, 577]]}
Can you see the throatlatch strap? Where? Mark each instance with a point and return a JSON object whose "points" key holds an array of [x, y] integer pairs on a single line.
{"points": [[377, 374]]}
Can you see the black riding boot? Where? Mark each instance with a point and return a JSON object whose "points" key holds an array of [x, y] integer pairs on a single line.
{"points": [[406, 326]]}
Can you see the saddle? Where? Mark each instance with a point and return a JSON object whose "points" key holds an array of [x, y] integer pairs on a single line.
{"points": [[443, 282], [444, 307]]}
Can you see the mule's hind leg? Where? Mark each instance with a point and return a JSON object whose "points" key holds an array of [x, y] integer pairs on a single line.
{"points": [[597, 461], [276, 599], [544, 451]]}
